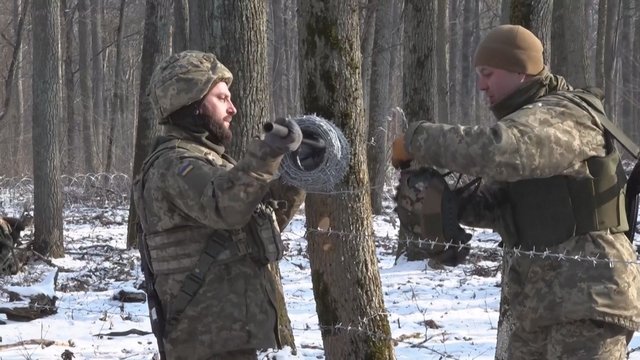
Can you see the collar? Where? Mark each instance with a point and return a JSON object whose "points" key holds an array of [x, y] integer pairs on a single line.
{"points": [[542, 84]]}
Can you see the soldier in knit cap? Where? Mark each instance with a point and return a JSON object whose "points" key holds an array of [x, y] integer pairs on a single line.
{"points": [[552, 182]]}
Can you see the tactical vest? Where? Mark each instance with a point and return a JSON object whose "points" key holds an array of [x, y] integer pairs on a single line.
{"points": [[259, 239], [549, 211]]}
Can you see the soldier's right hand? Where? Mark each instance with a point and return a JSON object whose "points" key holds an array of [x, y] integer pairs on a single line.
{"points": [[287, 143]]}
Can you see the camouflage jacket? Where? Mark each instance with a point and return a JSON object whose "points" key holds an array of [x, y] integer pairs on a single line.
{"points": [[543, 136], [187, 196]]}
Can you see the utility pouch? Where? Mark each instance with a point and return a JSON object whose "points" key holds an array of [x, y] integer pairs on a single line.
{"points": [[263, 236]]}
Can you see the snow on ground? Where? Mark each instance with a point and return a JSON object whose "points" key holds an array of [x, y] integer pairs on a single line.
{"points": [[446, 313]]}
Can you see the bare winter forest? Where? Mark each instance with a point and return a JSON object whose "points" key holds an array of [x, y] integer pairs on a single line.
{"points": [[74, 75]]}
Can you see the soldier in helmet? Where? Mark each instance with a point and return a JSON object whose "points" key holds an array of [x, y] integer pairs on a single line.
{"points": [[209, 229], [552, 181]]}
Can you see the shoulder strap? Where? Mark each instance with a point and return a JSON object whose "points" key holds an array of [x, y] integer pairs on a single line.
{"points": [[585, 101]]}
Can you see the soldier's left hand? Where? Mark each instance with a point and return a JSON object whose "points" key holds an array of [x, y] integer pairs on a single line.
{"points": [[400, 157]]}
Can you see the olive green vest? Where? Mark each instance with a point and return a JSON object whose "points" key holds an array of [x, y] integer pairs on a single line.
{"points": [[549, 211]]}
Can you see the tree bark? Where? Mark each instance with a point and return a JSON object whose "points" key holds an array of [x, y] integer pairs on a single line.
{"points": [[97, 79], [180, 39], [611, 45], [47, 113], [379, 105], [367, 28], [84, 45], [442, 61], [600, 44], [117, 100], [72, 125], [347, 293]]}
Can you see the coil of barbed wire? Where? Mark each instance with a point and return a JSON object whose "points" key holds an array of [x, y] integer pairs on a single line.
{"points": [[330, 156]]}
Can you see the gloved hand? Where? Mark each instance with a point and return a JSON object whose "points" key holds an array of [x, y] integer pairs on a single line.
{"points": [[400, 158], [311, 154], [288, 143]]}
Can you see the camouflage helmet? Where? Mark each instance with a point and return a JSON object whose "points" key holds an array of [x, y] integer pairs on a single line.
{"points": [[429, 210], [183, 78]]}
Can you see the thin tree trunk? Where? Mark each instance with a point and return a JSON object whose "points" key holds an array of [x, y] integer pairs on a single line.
{"points": [[72, 129], [84, 45], [568, 38], [467, 73], [180, 39], [47, 112], [454, 61], [442, 61], [379, 104], [117, 100], [14, 97], [610, 46], [347, 293], [600, 44], [97, 66], [368, 14]]}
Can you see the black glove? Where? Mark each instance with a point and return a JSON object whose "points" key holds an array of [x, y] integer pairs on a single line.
{"points": [[311, 153], [287, 143]]}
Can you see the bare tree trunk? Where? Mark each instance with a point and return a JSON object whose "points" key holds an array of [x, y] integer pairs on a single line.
{"points": [[97, 79], [47, 112], [292, 56], [278, 59], [454, 61], [117, 100], [153, 51], [180, 37], [611, 45], [84, 45], [346, 292], [379, 104], [442, 61], [626, 65], [367, 26], [13, 107], [397, 58], [600, 44], [72, 126], [467, 73], [419, 60]]}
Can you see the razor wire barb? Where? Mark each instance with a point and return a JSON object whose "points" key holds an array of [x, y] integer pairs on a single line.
{"points": [[564, 256]]}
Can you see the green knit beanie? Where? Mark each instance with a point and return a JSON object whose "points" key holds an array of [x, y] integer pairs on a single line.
{"points": [[512, 48]]}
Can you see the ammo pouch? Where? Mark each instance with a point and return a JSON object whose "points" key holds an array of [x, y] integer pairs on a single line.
{"points": [[263, 237]]}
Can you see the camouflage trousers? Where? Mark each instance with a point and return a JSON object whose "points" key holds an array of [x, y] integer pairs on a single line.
{"points": [[579, 340]]}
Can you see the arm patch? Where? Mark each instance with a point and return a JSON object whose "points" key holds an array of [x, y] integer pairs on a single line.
{"points": [[184, 168]]}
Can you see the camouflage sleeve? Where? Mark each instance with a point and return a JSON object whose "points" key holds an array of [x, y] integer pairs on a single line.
{"points": [[482, 209], [537, 141], [222, 198]]}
